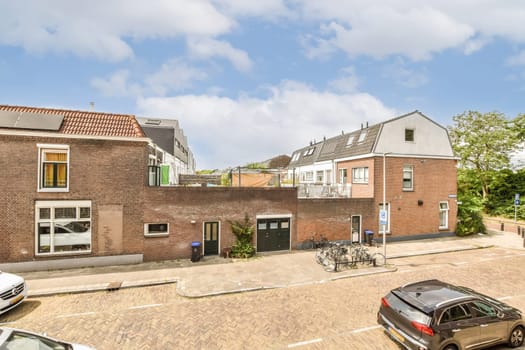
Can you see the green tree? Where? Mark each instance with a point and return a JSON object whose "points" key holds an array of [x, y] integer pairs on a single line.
{"points": [[484, 142]]}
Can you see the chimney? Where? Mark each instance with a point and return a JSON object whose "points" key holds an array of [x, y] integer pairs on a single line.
{"points": [[367, 125], [361, 126], [92, 106]]}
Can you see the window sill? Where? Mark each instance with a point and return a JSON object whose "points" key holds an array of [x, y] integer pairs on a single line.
{"points": [[53, 190], [153, 235], [77, 252]]}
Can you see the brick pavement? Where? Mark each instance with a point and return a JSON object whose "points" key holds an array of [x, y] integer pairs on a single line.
{"points": [[214, 275]]}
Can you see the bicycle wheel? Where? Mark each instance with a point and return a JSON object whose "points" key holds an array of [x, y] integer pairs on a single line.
{"points": [[378, 259]]}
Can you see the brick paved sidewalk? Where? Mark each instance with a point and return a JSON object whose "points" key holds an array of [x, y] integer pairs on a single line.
{"points": [[215, 275]]}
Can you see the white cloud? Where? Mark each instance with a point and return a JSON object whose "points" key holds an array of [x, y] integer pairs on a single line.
{"points": [[229, 132], [102, 31], [378, 31], [255, 8], [204, 48], [174, 75], [117, 85]]}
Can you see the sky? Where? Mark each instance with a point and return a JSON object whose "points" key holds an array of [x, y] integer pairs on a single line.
{"points": [[252, 79]]}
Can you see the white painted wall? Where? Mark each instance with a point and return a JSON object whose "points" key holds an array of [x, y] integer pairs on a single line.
{"points": [[429, 138]]}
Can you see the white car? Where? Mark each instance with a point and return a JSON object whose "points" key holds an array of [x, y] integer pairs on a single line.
{"points": [[13, 291], [17, 339]]}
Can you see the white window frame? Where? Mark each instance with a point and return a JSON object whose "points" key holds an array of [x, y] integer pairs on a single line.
{"points": [[443, 210], [360, 175], [343, 176], [52, 205], [328, 177], [408, 169], [147, 232], [319, 176], [42, 149]]}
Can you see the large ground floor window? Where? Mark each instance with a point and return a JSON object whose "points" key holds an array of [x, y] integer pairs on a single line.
{"points": [[63, 226]]}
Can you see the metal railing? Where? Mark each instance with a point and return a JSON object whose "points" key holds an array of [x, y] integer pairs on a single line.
{"points": [[324, 191]]}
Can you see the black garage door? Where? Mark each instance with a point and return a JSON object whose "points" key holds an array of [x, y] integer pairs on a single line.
{"points": [[273, 234]]}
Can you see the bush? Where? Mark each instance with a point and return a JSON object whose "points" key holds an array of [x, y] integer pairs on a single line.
{"points": [[470, 218], [243, 231]]}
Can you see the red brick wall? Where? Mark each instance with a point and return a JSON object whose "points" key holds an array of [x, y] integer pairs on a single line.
{"points": [[359, 190], [187, 208], [434, 181], [103, 171], [331, 217]]}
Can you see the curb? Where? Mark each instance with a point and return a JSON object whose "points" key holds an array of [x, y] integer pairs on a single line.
{"points": [[117, 285]]}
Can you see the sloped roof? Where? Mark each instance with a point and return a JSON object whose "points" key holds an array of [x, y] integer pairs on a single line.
{"points": [[87, 123], [342, 146]]}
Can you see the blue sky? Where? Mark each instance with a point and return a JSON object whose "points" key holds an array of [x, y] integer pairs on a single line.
{"points": [[252, 79]]}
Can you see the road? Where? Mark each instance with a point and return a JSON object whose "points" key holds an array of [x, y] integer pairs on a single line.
{"points": [[333, 315]]}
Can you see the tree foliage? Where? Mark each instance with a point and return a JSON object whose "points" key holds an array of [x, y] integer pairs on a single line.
{"points": [[484, 142]]}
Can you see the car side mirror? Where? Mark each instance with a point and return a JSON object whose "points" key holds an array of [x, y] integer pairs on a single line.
{"points": [[500, 314]]}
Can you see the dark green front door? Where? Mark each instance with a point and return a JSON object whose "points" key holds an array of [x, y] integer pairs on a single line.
{"points": [[211, 238], [273, 234]]}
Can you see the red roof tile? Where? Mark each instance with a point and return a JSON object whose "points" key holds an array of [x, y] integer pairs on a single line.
{"points": [[88, 123]]}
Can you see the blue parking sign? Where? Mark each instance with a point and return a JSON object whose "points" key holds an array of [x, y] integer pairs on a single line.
{"points": [[382, 217]]}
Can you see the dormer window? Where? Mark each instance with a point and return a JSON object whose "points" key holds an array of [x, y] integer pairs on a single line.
{"points": [[296, 156], [350, 141], [409, 135]]}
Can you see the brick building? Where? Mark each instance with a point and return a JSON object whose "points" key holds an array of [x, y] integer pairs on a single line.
{"points": [[345, 176], [77, 190]]}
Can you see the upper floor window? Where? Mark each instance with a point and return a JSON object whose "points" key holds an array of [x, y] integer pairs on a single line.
{"points": [[309, 152], [409, 135], [408, 178], [362, 136], [360, 175], [319, 176], [53, 173], [342, 176]]}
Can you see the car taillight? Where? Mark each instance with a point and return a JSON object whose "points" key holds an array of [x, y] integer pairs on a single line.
{"points": [[422, 327], [385, 302]]}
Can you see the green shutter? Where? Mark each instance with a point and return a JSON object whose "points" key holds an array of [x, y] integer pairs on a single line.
{"points": [[165, 174]]}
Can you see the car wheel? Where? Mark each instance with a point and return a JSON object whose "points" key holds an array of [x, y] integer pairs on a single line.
{"points": [[516, 337]]}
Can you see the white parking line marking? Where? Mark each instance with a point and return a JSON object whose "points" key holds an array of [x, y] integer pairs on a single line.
{"points": [[366, 329], [306, 342], [143, 306], [75, 315]]}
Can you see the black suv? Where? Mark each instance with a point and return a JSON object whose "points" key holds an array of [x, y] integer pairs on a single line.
{"points": [[434, 315]]}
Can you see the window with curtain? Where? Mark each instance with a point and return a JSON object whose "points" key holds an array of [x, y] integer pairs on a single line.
{"points": [[54, 167], [360, 175], [408, 178]]}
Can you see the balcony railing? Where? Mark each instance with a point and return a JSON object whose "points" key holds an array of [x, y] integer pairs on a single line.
{"points": [[324, 191]]}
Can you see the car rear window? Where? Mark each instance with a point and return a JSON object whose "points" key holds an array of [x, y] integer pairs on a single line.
{"points": [[407, 310]]}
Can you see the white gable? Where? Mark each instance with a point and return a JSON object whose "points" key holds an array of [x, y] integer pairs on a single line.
{"points": [[430, 139]]}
